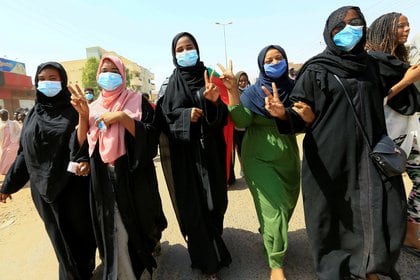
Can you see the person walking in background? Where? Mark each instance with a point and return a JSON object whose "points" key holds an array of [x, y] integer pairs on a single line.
{"points": [[192, 150], [355, 220], [20, 115], [272, 171], [386, 37], [89, 95], [121, 141], [238, 135], [61, 198], [9, 141]]}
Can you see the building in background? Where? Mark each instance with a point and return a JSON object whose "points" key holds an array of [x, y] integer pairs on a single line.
{"points": [[141, 78], [16, 89]]}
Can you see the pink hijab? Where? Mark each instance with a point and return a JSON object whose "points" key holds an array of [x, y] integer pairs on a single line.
{"points": [[111, 141]]}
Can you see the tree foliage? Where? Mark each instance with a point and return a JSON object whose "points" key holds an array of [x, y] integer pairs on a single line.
{"points": [[89, 74], [128, 77]]}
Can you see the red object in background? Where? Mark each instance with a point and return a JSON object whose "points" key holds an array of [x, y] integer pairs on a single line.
{"points": [[229, 127], [15, 81]]}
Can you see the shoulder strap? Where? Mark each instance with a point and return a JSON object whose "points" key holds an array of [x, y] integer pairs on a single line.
{"points": [[354, 112]]}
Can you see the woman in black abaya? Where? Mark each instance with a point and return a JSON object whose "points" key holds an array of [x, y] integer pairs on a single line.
{"points": [[60, 197], [355, 221], [192, 119]]}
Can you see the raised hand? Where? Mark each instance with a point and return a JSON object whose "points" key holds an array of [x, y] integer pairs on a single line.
{"points": [[227, 77], [211, 92], [79, 102], [273, 104]]}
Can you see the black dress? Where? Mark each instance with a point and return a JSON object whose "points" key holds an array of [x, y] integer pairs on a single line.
{"points": [[134, 190], [61, 198], [355, 220]]}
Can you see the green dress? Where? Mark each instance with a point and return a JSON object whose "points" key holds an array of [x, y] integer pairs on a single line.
{"points": [[271, 166]]}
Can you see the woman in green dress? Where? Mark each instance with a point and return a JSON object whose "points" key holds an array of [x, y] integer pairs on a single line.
{"points": [[270, 160]]}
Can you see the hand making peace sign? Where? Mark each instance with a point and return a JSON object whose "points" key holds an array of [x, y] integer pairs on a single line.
{"points": [[227, 76], [275, 107], [273, 104], [79, 102], [211, 92]]}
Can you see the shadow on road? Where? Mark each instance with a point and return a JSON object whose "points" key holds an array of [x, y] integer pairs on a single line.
{"points": [[248, 259]]}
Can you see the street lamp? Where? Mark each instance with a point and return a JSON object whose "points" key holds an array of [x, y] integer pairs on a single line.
{"points": [[224, 37]]}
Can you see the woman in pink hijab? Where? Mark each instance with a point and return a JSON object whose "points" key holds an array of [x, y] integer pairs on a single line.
{"points": [[116, 131]]}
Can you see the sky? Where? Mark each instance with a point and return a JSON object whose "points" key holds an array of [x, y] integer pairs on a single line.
{"points": [[34, 32]]}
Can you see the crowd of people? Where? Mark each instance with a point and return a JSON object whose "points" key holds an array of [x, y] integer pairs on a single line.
{"points": [[89, 158]]}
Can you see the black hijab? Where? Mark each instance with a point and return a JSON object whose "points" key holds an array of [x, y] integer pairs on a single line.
{"points": [[45, 137], [184, 82], [253, 97], [342, 63]]}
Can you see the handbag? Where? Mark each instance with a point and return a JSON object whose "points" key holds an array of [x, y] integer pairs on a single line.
{"points": [[387, 156]]}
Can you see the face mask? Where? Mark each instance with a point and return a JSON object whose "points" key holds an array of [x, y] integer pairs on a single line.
{"points": [[187, 58], [89, 96], [49, 88], [275, 71], [243, 88], [348, 38], [109, 81]]}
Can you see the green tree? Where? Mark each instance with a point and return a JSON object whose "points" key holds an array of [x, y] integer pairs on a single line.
{"points": [[89, 75], [128, 76]]}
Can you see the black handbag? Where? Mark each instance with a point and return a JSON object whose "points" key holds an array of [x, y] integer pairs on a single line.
{"points": [[388, 157]]}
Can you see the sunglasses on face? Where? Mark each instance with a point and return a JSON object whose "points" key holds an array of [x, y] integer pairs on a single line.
{"points": [[353, 22]]}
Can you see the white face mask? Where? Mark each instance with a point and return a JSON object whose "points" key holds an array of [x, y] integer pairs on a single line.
{"points": [[49, 88]]}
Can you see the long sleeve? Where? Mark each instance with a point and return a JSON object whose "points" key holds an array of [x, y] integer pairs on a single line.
{"points": [[241, 116], [17, 176], [143, 147]]}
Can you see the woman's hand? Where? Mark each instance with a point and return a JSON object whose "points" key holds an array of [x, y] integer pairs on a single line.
{"points": [[110, 118], [273, 104], [227, 77], [196, 114], [79, 102], [4, 197], [83, 169], [211, 92], [412, 74], [304, 111]]}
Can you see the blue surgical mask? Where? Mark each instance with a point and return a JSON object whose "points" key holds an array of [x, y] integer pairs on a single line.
{"points": [[275, 71], [187, 58], [109, 81], [89, 96], [49, 88], [348, 38]]}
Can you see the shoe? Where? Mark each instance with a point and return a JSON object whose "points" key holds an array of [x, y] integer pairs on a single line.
{"points": [[411, 250]]}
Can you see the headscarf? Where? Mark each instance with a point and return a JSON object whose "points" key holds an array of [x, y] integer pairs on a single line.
{"points": [[111, 141], [238, 76], [45, 137], [337, 61], [184, 82], [253, 97]]}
